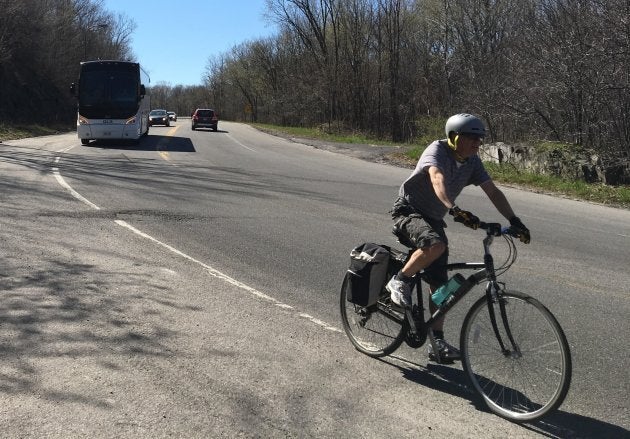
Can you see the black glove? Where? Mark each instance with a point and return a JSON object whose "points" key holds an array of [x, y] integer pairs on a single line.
{"points": [[519, 229], [464, 217]]}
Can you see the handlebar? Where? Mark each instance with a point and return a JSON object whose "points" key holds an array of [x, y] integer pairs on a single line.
{"points": [[496, 229], [508, 232]]}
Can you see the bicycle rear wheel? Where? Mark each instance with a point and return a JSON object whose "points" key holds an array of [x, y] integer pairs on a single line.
{"points": [[374, 331], [520, 384]]}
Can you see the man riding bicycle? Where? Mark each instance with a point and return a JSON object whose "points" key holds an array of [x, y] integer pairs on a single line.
{"points": [[442, 172]]}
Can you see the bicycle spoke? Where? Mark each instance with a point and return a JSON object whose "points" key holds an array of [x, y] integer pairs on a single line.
{"points": [[374, 330], [525, 383]]}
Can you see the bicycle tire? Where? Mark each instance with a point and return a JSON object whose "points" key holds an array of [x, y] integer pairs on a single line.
{"points": [[371, 331], [519, 387]]}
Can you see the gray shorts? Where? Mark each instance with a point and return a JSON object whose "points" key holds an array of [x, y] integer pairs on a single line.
{"points": [[422, 233]]}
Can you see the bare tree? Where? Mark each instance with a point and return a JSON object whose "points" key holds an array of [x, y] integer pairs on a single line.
{"points": [[356, 45], [41, 45], [390, 20], [316, 23]]}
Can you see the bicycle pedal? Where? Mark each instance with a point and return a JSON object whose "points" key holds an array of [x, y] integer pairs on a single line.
{"points": [[444, 361], [396, 306]]}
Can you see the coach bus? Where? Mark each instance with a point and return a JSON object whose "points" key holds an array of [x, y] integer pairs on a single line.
{"points": [[112, 101]]}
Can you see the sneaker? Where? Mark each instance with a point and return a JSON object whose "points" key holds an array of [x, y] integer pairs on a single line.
{"points": [[448, 353], [400, 292]]}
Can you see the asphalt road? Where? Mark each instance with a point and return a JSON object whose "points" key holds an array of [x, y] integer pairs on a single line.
{"points": [[188, 287]]}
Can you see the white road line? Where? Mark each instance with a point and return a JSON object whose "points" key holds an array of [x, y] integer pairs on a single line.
{"points": [[319, 322], [74, 193], [244, 146], [210, 270]]}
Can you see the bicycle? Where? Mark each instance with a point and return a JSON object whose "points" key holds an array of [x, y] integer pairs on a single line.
{"points": [[514, 352]]}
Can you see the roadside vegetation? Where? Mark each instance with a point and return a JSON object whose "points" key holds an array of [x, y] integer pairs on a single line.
{"points": [[617, 196], [9, 131], [322, 133]]}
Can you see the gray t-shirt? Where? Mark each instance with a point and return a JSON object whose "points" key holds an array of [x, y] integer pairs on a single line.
{"points": [[418, 190]]}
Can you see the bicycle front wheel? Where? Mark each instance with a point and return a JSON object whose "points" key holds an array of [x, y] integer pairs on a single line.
{"points": [[529, 378], [373, 330]]}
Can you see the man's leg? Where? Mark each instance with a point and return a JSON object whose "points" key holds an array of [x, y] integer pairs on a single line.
{"points": [[431, 244], [439, 323], [438, 276], [448, 353], [422, 258]]}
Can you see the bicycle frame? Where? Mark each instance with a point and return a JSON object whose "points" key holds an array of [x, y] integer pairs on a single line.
{"points": [[485, 271]]}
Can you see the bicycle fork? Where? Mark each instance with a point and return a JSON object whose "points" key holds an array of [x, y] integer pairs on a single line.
{"points": [[493, 296]]}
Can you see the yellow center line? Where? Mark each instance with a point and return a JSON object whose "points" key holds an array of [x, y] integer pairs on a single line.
{"points": [[164, 154]]}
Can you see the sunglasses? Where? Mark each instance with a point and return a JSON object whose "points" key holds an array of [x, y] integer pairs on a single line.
{"points": [[472, 136]]}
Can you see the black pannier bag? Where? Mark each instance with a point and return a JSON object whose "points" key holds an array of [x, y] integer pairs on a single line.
{"points": [[367, 273]]}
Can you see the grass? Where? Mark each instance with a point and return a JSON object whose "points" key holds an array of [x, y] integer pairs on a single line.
{"points": [[322, 133], [618, 196], [598, 193], [12, 132]]}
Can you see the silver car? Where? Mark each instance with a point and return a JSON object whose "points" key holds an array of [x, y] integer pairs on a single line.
{"points": [[159, 117]]}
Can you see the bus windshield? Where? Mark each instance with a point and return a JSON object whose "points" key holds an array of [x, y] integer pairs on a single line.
{"points": [[111, 92]]}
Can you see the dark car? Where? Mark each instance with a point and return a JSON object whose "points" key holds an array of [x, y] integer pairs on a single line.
{"points": [[159, 117], [205, 118]]}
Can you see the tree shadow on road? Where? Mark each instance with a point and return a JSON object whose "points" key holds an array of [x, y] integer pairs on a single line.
{"points": [[70, 310]]}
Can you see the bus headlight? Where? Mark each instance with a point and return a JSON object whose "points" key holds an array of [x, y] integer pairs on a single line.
{"points": [[83, 120], [131, 120]]}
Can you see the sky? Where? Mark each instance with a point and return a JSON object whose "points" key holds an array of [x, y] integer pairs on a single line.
{"points": [[174, 39]]}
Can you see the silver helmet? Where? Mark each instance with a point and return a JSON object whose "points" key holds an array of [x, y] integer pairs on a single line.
{"points": [[464, 123]]}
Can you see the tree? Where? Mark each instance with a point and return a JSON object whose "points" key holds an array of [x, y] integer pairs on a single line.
{"points": [[41, 45]]}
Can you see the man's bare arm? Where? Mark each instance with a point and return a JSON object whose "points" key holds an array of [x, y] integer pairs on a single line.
{"points": [[437, 180], [497, 197]]}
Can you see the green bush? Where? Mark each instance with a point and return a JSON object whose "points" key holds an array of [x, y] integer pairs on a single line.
{"points": [[429, 130]]}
